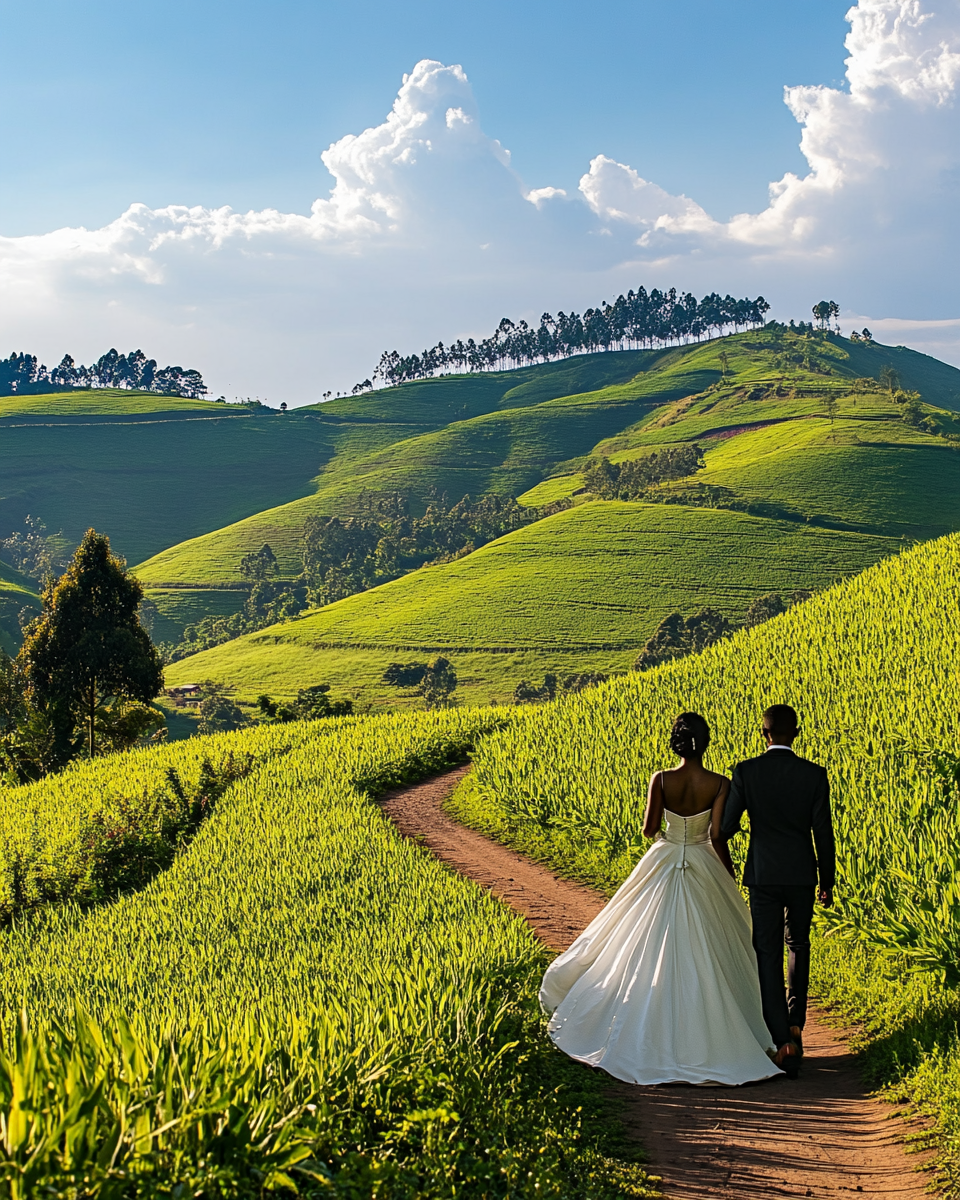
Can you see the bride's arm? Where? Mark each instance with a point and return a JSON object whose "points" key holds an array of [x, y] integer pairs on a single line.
{"points": [[653, 817], [716, 837]]}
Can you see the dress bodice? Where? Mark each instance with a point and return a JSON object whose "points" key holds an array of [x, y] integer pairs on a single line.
{"points": [[686, 831]]}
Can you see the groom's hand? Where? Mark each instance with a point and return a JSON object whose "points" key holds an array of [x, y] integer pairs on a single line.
{"points": [[826, 897]]}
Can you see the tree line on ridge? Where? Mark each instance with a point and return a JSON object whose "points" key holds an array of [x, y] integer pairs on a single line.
{"points": [[24, 374], [639, 320]]}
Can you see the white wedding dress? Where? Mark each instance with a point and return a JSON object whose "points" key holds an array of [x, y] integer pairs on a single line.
{"points": [[662, 987]]}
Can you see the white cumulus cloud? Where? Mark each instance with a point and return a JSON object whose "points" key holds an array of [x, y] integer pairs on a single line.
{"points": [[429, 232]]}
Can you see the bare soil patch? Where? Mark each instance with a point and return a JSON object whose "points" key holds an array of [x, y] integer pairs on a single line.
{"points": [[820, 1136]]}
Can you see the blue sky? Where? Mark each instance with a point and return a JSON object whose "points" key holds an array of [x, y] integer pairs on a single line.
{"points": [[163, 184], [231, 103]]}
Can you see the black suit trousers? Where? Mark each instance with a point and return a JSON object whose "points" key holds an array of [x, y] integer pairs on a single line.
{"points": [[782, 914]]}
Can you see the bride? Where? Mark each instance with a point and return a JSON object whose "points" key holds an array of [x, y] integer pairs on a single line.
{"points": [[662, 986]]}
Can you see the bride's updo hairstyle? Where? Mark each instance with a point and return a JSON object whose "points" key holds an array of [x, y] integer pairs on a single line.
{"points": [[690, 735]]}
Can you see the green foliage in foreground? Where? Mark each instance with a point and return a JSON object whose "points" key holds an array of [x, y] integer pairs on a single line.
{"points": [[104, 825], [302, 1000], [908, 1035], [870, 666]]}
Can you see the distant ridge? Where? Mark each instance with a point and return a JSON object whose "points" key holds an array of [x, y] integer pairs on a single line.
{"points": [[24, 374], [639, 320]]}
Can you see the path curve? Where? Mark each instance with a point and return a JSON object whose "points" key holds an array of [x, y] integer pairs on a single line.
{"points": [[820, 1136]]}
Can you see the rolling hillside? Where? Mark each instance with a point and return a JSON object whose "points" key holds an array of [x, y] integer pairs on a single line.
{"points": [[154, 471], [864, 470], [810, 477], [530, 433], [582, 590]]}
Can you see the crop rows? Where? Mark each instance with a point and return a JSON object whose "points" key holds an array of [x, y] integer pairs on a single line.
{"points": [[871, 668], [101, 825], [303, 1000]]}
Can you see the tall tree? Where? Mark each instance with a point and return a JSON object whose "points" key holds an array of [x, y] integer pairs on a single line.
{"points": [[259, 565], [889, 378], [87, 650]]}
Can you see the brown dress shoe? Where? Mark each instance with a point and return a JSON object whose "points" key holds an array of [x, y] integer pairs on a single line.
{"points": [[788, 1060], [797, 1034]]}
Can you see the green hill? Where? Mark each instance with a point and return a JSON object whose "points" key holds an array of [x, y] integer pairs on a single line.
{"points": [[810, 476], [864, 470], [190, 487], [154, 471], [582, 590], [528, 436], [51, 407]]}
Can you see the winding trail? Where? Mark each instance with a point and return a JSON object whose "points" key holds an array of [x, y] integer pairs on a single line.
{"points": [[821, 1136]]}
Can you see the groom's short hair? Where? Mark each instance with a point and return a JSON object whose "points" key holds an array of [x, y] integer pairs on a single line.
{"points": [[780, 720]]}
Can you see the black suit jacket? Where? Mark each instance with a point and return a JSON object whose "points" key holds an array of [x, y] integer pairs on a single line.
{"points": [[787, 799]]}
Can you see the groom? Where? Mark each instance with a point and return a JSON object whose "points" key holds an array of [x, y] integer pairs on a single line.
{"points": [[788, 801]]}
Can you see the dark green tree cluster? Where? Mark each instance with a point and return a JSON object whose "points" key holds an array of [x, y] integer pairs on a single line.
{"points": [[553, 686], [83, 679], [311, 704], [825, 311], [637, 320], [25, 374], [677, 636], [912, 413], [260, 565], [218, 711], [631, 479], [435, 681], [345, 555], [765, 608]]}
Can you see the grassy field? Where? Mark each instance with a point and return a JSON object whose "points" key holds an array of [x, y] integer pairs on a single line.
{"points": [[527, 439], [154, 471], [875, 475], [303, 1000], [105, 402], [16, 593], [870, 667], [582, 590]]}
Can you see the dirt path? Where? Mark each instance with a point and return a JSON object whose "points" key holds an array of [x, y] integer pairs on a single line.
{"points": [[820, 1136]]}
